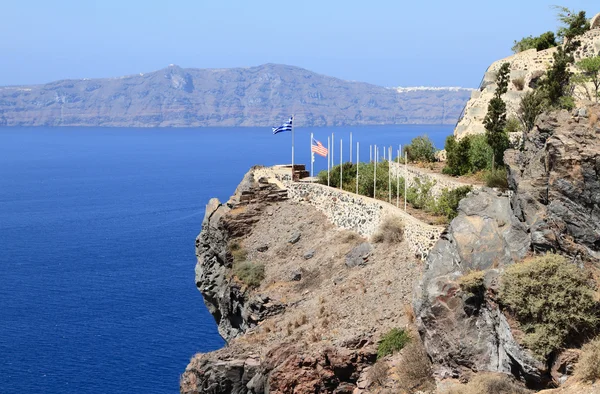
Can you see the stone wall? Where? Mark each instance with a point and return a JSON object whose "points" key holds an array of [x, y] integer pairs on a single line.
{"points": [[441, 182], [363, 215]]}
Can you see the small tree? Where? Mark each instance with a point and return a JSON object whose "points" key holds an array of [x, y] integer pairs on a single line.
{"points": [[590, 71], [557, 83], [530, 108], [457, 156], [495, 119], [575, 24]]}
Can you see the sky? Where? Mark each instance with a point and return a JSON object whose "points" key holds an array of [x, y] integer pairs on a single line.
{"points": [[388, 43]]}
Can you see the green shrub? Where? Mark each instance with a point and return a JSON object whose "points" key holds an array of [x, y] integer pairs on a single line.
{"points": [[588, 366], [512, 125], [419, 195], [447, 202], [480, 153], [552, 301], [365, 179], [472, 282], [497, 178], [544, 41], [531, 106], [250, 273], [393, 341], [421, 149], [457, 156], [390, 231]]}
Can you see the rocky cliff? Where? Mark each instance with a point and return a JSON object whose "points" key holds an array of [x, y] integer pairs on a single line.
{"points": [[255, 96], [312, 323], [552, 206]]}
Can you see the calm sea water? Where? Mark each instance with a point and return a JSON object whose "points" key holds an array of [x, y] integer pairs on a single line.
{"points": [[97, 230]]}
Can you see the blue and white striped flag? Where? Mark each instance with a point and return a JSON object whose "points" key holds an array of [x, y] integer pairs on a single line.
{"points": [[287, 126]]}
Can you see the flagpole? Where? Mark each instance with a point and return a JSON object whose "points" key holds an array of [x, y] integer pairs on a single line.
{"points": [[293, 121], [332, 146], [398, 177], [312, 158], [328, 161], [405, 177], [389, 175], [350, 147], [375, 172], [357, 163], [370, 154], [341, 166]]}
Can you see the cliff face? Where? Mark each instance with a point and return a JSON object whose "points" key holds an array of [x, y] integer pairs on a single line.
{"points": [[255, 96], [313, 322], [553, 205]]}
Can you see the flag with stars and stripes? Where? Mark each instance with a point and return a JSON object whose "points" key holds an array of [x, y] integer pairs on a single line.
{"points": [[287, 126], [318, 148]]}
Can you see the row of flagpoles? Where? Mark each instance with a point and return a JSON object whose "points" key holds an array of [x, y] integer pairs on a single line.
{"points": [[318, 148]]}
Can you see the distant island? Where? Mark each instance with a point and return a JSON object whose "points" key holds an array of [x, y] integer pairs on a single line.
{"points": [[255, 96]]}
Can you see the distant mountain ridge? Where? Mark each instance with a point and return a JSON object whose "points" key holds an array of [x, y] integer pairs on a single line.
{"points": [[256, 96]]}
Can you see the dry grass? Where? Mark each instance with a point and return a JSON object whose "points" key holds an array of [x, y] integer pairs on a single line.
{"points": [[593, 119], [588, 367], [378, 374], [390, 231], [414, 369], [519, 83], [489, 383]]}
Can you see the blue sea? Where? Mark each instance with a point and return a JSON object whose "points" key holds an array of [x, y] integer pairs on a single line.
{"points": [[97, 230]]}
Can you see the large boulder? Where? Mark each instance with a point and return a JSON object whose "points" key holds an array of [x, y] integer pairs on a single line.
{"points": [[464, 331]]}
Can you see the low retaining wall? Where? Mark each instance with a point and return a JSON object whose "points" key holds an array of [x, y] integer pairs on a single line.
{"points": [[363, 215], [441, 182]]}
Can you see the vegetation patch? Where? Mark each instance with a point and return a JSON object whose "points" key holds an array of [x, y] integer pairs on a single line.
{"points": [[420, 150], [588, 367], [472, 282], [393, 341], [390, 231], [496, 178], [251, 274], [238, 253], [414, 369], [552, 301], [488, 383]]}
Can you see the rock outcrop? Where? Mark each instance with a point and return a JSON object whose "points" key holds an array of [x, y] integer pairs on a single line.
{"points": [[556, 180], [465, 332], [553, 205], [235, 310]]}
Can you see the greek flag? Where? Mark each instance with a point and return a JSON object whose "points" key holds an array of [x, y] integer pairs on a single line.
{"points": [[287, 126]]}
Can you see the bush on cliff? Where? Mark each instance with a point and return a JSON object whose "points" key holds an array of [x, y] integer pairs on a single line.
{"points": [[543, 41], [447, 203], [490, 383], [457, 156], [420, 150], [480, 153], [588, 367], [249, 273], [497, 178], [552, 300], [393, 341]]}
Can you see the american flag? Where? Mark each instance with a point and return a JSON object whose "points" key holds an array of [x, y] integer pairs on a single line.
{"points": [[318, 148]]}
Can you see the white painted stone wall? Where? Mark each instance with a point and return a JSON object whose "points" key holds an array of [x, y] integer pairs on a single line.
{"points": [[363, 215]]}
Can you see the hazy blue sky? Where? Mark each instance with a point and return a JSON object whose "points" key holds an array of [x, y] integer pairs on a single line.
{"points": [[390, 43]]}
